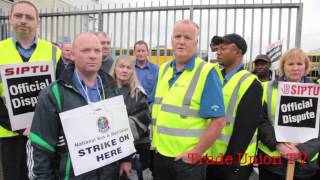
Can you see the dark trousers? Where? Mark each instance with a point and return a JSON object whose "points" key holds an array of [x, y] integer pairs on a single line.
{"points": [[14, 161], [166, 168], [228, 172], [317, 176], [265, 174], [141, 161]]}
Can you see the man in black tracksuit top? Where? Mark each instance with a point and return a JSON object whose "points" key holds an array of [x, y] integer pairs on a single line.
{"points": [[48, 154]]}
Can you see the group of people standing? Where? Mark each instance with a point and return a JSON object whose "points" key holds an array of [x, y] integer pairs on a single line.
{"points": [[189, 118]]}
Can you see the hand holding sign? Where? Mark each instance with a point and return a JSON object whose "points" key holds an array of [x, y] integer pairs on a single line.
{"points": [[26, 132], [297, 113], [283, 149], [293, 153], [296, 119], [125, 168], [288, 151]]}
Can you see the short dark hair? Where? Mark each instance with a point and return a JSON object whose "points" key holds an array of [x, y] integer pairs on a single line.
{"points": [[216, 40], [24, 2], [140, 42]]}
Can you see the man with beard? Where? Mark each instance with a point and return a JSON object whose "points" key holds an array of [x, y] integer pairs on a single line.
{"points": [[23, 47]]}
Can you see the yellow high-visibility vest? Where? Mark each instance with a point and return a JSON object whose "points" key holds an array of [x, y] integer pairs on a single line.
{"points": [[44, 51], [233, 92], [177, 125]]}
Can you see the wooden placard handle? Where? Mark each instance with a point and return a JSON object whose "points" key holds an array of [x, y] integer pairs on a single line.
{"points": [[290, 167], [290, 170]]}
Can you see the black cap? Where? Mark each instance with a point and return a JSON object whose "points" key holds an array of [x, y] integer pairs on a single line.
{"points": [[262, 57], [236, 39]]}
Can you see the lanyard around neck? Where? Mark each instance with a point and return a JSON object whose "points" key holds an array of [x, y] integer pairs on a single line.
{"points": [[85, 88]]}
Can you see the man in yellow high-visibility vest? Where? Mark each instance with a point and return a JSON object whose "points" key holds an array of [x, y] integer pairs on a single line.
{"points": [[187, 111], [23, 47], [235, 148]]}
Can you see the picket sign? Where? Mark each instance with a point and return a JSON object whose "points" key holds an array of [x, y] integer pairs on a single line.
{"points": [[297, 115]]}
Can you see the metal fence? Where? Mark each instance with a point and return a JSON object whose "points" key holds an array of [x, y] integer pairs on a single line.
{"points": [[260, 24]]}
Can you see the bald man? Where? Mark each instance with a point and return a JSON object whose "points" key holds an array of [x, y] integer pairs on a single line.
{"points": [[81, 84]]}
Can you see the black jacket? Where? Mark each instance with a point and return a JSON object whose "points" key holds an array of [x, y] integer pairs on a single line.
{"points": [[267, 137], [106, 64], [245, 124], [48, 153], [272, 75], [60, 67], [139, 116]]}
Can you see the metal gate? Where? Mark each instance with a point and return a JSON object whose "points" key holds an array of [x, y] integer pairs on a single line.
{"points": [[259, 23]]}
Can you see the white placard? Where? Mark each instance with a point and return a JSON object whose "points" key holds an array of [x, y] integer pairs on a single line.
{"points": [[22, 84], [297, 112], [97, 134], [274, 50]]}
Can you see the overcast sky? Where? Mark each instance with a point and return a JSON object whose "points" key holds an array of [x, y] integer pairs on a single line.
{"points": [[311, 26], [311, 13]]}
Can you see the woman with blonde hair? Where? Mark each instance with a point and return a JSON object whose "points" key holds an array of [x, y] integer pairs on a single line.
{"points": [[294, 66], [136, 101]]}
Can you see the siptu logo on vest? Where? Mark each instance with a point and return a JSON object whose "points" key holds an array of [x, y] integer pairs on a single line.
{"points": [[103, 124]]}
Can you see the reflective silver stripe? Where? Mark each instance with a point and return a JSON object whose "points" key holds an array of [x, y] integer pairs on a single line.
{"points": [[233, 99], [30, 160], [180, 132], [54, 53], [226, 138], [157, 100], [192, 87], [184, 110], [269, 101], [165, 69]]}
